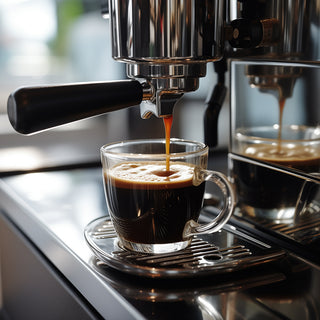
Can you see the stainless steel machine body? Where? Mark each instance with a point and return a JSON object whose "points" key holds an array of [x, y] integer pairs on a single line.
{"points": [[166, 46], [167, 43]]}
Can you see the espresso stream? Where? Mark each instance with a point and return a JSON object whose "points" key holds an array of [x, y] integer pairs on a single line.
{"points": [[281, 108], [167, 127]]}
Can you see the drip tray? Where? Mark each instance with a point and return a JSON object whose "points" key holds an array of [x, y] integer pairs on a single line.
{"points": [[301, 235], [225, 251]]}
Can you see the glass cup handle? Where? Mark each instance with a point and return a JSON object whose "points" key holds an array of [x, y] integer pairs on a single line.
{"points": [[193, 228]]}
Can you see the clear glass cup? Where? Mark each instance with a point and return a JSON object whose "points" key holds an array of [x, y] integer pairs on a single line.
{"points": [[156, 210], [270, 186]]}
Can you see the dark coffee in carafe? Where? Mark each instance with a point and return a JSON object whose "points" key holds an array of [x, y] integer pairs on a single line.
{"points": [[262, 187]]}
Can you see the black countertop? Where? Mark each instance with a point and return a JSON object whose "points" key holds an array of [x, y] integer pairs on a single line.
{"points": [[53, 208]]}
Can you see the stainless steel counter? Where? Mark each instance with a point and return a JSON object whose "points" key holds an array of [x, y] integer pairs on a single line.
{"points": [[49, 211]]}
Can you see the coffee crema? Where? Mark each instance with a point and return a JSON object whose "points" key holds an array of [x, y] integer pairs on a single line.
{"points": [[149, 204], [305, 158], [154, 174]]}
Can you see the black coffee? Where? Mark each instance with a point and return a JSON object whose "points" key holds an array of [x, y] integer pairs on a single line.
{"points": [[265, 188], [149, 204]]}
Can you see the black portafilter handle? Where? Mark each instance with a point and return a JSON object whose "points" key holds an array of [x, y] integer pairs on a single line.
{"points": [[33, 109]]}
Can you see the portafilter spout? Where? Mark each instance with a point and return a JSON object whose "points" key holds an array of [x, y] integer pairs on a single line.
{"points": [[162, 107], [278, 80], [167, 43]]}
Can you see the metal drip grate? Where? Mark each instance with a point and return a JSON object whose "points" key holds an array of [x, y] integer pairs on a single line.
{"points": [[200, 254], [104, 230], [304, 230], [204, 256]]}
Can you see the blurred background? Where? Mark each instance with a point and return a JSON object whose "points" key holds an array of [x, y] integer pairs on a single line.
{"points": [[63, 41]]}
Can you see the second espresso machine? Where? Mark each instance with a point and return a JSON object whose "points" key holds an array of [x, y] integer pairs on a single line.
{"points": [[271, 51]]}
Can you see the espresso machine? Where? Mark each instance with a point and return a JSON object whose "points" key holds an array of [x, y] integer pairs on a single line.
{"points": [[268, 46], [270, 50]]}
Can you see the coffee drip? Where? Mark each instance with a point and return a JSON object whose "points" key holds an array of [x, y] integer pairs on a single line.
{"points": [[166, 171], [282, 102], [167, 127]]}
